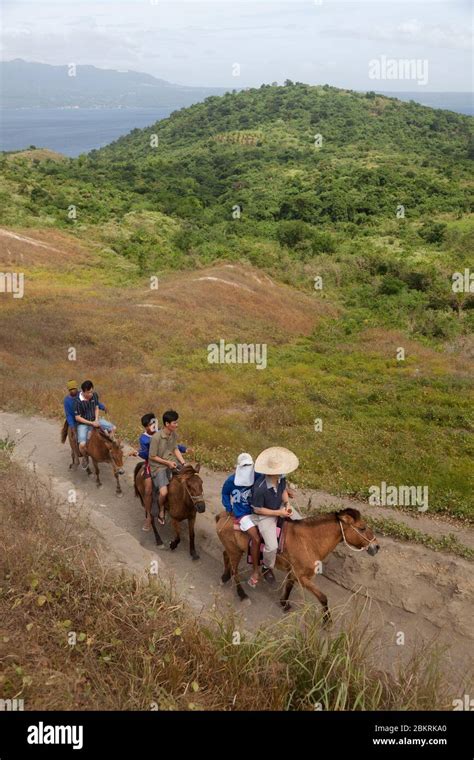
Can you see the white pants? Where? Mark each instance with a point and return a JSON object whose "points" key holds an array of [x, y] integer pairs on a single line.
{"points": [[267, 527], [268, 530]]}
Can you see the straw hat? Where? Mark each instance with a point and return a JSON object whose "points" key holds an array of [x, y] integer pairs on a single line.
{"points": [[72, 385], [276, 461]]}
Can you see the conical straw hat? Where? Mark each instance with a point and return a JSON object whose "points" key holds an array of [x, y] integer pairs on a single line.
{"points": [[276, 461]]}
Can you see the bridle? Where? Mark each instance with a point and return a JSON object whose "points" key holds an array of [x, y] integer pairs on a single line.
{"points": [[356, 548], [194, 499]]}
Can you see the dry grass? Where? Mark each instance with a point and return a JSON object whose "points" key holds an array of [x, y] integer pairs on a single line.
{"points": [[404, 422], [138, 647]]}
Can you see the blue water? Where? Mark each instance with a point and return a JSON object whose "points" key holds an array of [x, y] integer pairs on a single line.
{"points": [[71, 131], [75, 131]]}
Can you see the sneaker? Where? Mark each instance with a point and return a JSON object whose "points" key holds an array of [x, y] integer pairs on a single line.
{"points": [[268, 574], [85, 462]]}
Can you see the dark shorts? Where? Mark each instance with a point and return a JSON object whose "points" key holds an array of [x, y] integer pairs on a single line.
{"points": [[161, 477]]}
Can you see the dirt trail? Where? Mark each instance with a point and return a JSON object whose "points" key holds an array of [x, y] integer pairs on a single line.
{"points": [[412, 589]]}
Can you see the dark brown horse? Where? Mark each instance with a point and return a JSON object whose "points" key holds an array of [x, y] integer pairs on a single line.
{"points": [[70, 433], [185, 498], [307, 543], [101, 448]]}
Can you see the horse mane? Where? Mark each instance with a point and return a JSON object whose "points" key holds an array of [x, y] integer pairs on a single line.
{"points": [[106, 437], [187, 469], [332, 516]]}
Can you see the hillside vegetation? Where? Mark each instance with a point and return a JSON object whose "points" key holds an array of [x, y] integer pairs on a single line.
{"points": [[371, 195], [76, 634]]}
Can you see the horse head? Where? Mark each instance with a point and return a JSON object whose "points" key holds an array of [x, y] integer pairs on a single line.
{"points": [[115, 449], [193, 485], [355, 533]]}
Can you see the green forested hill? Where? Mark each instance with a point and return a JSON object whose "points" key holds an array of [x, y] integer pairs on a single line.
{"points": [[370, 191]]}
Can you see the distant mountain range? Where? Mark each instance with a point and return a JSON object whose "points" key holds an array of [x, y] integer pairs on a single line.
{"points": [[27, 84], [38, 85]]}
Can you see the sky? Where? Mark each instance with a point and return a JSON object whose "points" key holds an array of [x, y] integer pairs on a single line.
{"points": [[200, 43]]}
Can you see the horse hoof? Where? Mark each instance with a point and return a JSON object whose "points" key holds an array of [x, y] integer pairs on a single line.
{"points": [[286, 606], [160, 546], [119, 495], [194, 556], [225, 578], [173, 545]]}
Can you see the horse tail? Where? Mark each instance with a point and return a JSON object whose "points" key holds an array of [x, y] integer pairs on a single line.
{"points": [[64, 431], [135, 473]]}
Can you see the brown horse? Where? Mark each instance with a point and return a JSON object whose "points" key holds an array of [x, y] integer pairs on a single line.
{"points": [[70, 433], [101, 448], [185, 498], [307, 543]]}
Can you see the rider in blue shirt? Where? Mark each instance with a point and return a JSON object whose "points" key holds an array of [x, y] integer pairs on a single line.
{"points": [[149, 423], [236, 492], [69, 402]]}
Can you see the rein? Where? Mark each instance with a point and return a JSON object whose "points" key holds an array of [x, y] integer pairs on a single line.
{"points": [[355, 548], [194, 499]]}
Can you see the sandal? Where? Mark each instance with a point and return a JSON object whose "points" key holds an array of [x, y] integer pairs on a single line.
{"points": [[146, 526], [252, 582], [161, 520]]}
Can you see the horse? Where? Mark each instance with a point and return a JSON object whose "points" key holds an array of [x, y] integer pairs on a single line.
{"points": [[185, 498], [307, 543], [70, 433], [101, 448]]}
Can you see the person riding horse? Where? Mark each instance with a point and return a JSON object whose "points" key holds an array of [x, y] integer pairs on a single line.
{"points": [[86, 413], [257, 499]]}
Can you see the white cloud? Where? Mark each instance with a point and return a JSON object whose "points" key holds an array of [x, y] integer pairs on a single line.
{"points": [[409, 32], [197, 42]]}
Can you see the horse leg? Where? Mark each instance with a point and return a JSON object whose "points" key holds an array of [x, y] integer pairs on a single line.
{"points": [[235, 561], [118, 490], [308, 584], [96, 468], [192, 550], [227, 574], [290, 582], [177, 539], [158, 539]]}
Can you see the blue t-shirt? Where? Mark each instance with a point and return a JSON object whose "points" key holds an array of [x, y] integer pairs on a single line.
{"points": [[236, 498], [144, 446]]}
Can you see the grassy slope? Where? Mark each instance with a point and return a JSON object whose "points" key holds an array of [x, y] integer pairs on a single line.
{"points": [[402, 422], [161, 657], [144, 211]]}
